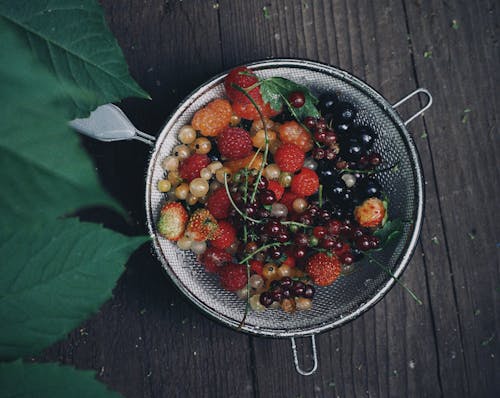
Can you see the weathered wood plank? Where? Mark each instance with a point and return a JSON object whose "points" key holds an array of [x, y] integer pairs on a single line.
{"points": [[375, 355], [455, 45]]}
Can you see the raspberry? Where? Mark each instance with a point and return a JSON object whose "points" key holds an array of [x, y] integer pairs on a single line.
{"points": [[251, 162], [219, 204], [234, 143], [190, 168], [233, 277], [249, 112], [277, 188], [305, 183], [293, 133], [213, 259], [323, 269], [289, 157], [173, 217], [288, 198], [202, 226], [370, 213], [225, 237], [213, 118], [244, 78]]}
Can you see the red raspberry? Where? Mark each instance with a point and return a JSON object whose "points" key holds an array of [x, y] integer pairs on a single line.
{"points": [[277, 188], [244, 78], [305, 183], [190, 168], [234, 143], [288, 198], [323, 269], [219, 204], [226, 235], [233, 277], [213, 259], [257, 267], [289, 157], [249, 112]]}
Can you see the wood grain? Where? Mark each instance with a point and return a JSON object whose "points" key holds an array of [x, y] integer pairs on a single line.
{"points": [[148, 341]]}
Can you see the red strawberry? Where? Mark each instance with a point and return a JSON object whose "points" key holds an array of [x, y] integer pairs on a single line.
{"points": [[233, 277], [323, 269], [226, 235], [370, 213], [257, 267], [202, 226], [190, 168], [173, 217], [277, 188], [244, 78], [234, 143], [289, 157], [288, 198], [249, 112], [213, 259], [219, 204], [305, 183]]}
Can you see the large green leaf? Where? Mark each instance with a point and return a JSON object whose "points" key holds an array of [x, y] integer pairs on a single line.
{"points": [[72, 39], [53, 276], [44, 173], [48, 380]]}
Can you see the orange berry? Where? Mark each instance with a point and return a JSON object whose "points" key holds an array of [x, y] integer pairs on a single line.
{"points": [[235, 165], [370, 213], [213, 118], [293, 133]]}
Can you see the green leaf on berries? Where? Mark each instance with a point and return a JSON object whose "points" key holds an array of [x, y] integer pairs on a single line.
{"points": [[391, 230], [276, 91]]}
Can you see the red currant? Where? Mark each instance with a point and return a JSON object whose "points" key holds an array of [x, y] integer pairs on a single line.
{"points": [[297, 99]]}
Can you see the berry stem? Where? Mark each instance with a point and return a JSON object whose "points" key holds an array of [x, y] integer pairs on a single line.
{"points": [[262, 248], [245, 217], [320, 193], [388, 271], [298, 224]]}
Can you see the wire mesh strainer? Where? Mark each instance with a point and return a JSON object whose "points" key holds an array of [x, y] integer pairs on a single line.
{"points": [[350, 295]]}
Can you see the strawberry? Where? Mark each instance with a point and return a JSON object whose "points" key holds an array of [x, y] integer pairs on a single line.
{"points": [[249, 112], [173, 217], [293, 133], [370, 213], [219, 204], [226, 235], [190, 168], [323, 269], [233, 277], [289, 157], [213, 259], [244, 78], [202, 226], [234, 143], [213, 118], [277, 188], [305, 183]]}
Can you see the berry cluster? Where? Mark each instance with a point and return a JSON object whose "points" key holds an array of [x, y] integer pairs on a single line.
{"points": [[271, 203]]}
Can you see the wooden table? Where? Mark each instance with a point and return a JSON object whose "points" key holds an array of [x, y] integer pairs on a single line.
{"points": [[149, 341]]}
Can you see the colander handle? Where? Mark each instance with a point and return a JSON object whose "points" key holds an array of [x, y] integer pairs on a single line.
{"points": [[296, 358], [412, 94], [108, 123]]}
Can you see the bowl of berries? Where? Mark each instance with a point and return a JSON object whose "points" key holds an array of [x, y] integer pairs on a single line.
{"points": [[285, 198]]}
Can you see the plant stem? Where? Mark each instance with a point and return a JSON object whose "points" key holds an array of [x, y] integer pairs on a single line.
{"points": [[320, 195], [234, 204], [262, 248], [388, 271], [298, 224]]}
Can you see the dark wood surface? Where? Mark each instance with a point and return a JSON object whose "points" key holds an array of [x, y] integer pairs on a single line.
{"points": [[149, 341]]}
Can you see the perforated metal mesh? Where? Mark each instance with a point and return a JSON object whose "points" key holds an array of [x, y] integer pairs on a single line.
{"points": [[350, 295]]}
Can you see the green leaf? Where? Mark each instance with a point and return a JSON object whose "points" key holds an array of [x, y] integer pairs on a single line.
{"points": [[54, 275], [44, 173], [49, 380], [71, 38], [390, 231], [276, 91]]}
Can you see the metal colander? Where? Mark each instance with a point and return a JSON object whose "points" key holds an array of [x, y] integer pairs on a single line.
{"points": [[350, 295]]}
